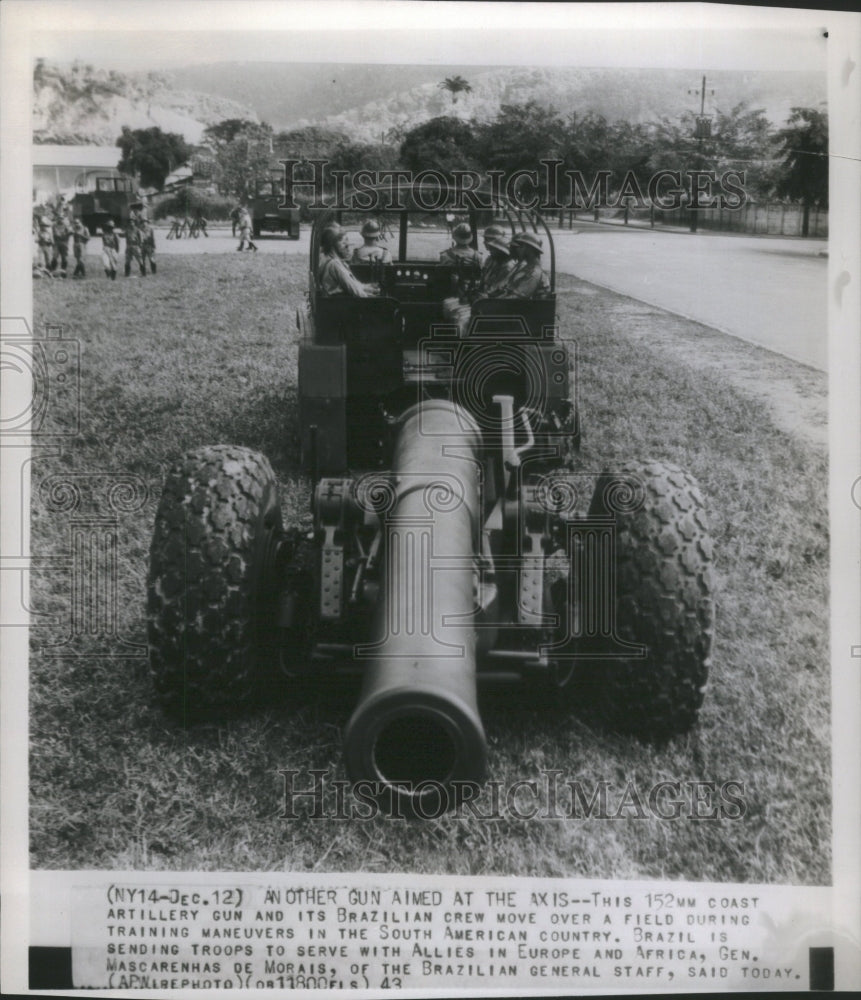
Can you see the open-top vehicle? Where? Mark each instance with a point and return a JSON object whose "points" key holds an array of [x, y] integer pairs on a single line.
{"points": [[450, 543]]}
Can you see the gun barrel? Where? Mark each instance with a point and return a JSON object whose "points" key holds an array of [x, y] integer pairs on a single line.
{"points": [[416, 730]]}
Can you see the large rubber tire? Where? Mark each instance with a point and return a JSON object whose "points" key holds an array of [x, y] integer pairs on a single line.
{"points": [[209, 607], [663, 599]]}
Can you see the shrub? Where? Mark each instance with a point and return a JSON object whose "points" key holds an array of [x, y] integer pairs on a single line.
{"points": [[189, 201]]}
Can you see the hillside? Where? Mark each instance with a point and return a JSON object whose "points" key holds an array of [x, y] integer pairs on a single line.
{"points": [[82, 104], [367, 100], [79, 104]]}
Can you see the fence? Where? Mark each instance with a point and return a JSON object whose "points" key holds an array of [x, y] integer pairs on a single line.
{"points": [[771, 218]]}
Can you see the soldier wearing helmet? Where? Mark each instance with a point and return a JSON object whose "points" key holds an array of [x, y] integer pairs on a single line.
{"points": [[461, 253], [334, 276], [528, 279], [498, 266], [371, 250]]}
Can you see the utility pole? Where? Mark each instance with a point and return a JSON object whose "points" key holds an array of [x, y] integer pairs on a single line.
{"points": [[702, 130]]}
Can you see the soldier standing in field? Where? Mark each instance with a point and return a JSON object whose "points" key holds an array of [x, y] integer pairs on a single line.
{"points": [[110, 249], [147, 247], [80, 236], [46, 244], [60, 260], [133, 248]]}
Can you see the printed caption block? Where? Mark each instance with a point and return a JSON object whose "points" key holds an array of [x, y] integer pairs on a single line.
{"points": [[341, 932]]}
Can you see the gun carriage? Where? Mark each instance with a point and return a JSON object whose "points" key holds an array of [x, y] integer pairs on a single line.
{"points": [[451, 543]]}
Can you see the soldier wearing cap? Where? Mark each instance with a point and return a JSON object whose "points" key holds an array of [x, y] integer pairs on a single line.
{"points": [[133, 247], [461, 253], [335, 276], [110, 249], [80, 237], [371, 249], [147, 236], [527, 280]]}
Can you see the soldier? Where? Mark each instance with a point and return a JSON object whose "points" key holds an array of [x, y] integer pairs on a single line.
{"points": [[133, 248], [110, 249], [138, 212], [371, 250], [46, 243], [498, 266], [147, 247], [527, 280], [80, 237], [461, 253], [60, 260], [200, 222], [244, 223], [335, 276]]}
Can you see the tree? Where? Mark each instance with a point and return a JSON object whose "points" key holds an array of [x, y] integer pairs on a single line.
{"points": [[221, 134], [151, 153], [804, 146], [243, 152], [455, 85], [443, 144]]}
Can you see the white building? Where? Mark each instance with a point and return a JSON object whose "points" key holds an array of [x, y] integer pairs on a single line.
{"points": [[67, 169]]}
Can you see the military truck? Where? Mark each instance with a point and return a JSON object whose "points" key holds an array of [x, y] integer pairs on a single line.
{"points": [[105, 196], [267, 215], [456, 540]]}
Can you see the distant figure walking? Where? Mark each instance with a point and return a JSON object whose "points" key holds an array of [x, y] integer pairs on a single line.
{"points": [[244, 223]]}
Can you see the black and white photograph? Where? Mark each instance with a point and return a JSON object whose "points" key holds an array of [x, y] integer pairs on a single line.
{"points": [[430, 497]]}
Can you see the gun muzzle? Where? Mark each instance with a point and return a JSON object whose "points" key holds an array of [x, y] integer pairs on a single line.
{"points": [[416, 732]]}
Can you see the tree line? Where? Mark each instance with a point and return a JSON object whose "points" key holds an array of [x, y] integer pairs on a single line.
{"points": [[787, 163]]}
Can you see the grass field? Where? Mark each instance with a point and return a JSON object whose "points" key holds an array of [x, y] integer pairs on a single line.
{"points": [[205, 352]]}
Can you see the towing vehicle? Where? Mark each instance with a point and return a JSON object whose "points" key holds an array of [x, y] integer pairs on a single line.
{"points": [[455, 538]]}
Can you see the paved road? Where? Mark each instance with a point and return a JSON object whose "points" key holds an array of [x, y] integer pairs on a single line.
{"points": [[767, 290]]}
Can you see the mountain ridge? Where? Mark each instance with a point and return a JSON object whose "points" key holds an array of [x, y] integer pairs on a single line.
{"points": [[370, 102]]}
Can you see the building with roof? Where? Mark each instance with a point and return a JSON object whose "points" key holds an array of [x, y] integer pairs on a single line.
{"points": [[67, 169]]}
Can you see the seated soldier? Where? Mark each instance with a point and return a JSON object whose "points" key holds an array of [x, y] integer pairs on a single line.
{"points": [[461, 253], [527, 280], [371, 249], [498, 266], [334, 276]]}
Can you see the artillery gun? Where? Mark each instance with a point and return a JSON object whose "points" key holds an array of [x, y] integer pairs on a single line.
{"points": [[455, 540]]}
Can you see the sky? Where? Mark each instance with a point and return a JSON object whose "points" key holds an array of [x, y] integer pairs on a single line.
{"points": [[128, 35]]}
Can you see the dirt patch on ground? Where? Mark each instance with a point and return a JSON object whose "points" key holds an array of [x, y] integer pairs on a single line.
{"points": [[796, 395]]}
